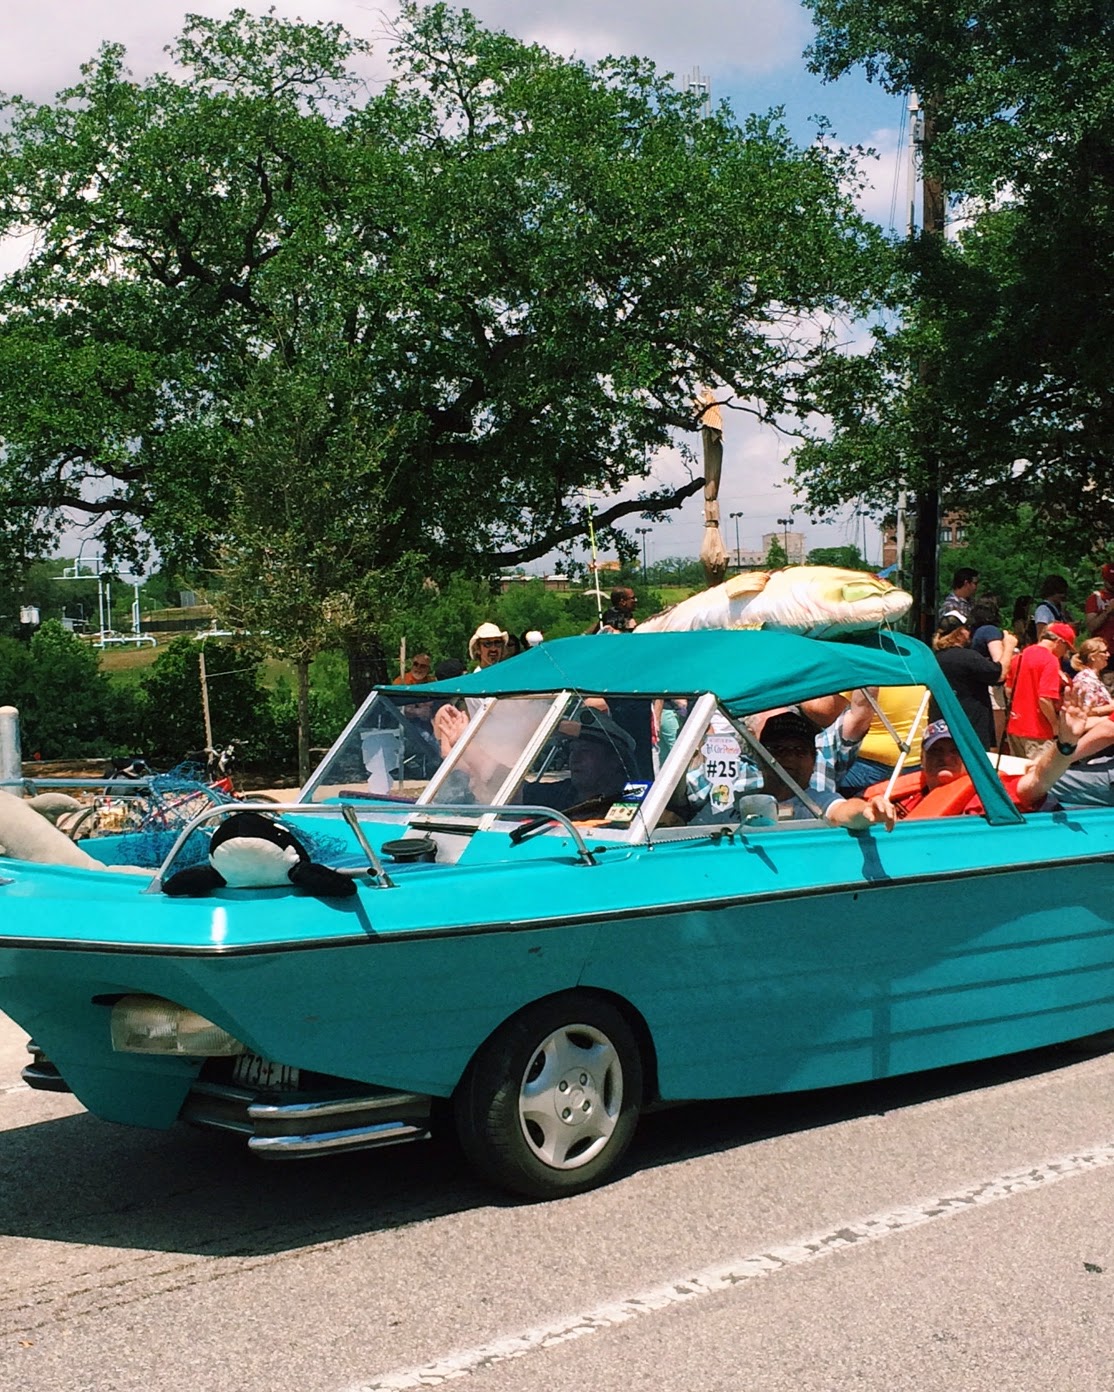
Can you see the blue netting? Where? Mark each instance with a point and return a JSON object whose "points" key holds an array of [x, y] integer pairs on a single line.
{"points": [[141, 827]]}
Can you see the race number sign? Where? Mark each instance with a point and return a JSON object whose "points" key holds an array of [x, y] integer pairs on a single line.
{"points": [[721, 757], [721, 766]]}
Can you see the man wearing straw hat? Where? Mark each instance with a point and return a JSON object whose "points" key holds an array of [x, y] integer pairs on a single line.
{"points": [[487, 645]]}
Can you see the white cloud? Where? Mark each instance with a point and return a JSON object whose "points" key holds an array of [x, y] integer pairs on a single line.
{"points": [[886, 198], [747, 35], [45, 43]]}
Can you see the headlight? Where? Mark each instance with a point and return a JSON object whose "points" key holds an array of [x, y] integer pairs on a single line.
{"points": [[148, 1025]]}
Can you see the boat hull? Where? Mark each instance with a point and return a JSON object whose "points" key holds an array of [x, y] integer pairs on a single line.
{"points": [[743, 971]]}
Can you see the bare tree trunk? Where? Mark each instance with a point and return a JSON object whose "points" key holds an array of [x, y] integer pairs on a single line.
{"points": [[301, 670]]}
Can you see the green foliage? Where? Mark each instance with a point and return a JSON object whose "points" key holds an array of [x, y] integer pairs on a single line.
{"points": [[330, 709], [996, 381], [530, 605], [582, 612], [330, 700], [39, 584], [171, 695], [776, 556], [67, 707], [677, 570], [434, 618], [849, 557], [410, 324], [1014, 557]]}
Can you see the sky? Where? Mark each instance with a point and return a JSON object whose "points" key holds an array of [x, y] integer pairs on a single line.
{"points": [[749, 50]]}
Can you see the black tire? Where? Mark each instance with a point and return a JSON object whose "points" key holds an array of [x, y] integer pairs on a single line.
{"points": [[550, 1102]]}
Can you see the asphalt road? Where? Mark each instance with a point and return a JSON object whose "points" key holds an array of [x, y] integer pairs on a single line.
{"points": [[952, 1231]]}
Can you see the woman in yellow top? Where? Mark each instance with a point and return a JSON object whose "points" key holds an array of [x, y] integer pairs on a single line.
{"points": [[878, 753]]}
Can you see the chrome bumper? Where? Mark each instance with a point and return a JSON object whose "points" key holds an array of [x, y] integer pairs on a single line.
{"points": [[299, 1128], [40, 1073]]}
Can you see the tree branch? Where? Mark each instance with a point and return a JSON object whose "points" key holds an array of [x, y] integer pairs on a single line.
{"points": [[657, 503]]}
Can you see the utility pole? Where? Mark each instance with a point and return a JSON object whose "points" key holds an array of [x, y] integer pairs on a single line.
{"points": [[738, 548], [643, 532], [785, 523], [927, 503]]}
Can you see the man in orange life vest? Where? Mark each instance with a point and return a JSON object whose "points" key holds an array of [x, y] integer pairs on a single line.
{"points": [[943, 773]]}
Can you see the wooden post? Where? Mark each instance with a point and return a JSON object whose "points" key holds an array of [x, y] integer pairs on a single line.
{"points": [[205, 699]]}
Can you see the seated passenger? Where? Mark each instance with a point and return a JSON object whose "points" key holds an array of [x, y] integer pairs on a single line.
{"points": [[791, 740], [879, 753], [601, 762], [836, 742], [1031, 791], [1089, 782], [421, 745]]}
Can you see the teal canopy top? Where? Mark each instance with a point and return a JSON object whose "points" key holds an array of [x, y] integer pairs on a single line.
{"points": [[747, 669]]}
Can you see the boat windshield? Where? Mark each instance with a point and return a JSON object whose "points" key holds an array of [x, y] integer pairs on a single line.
{"points": [[566, 751], [390, 750], [485, 754]]}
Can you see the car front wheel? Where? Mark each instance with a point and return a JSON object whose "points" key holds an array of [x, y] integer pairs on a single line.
{"points": [[550, 1102]]}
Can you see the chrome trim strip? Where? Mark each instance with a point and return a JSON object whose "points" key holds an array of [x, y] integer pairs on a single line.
{"points": [[375, 864], [341, 1106], [330, 1142], [523, 812]]}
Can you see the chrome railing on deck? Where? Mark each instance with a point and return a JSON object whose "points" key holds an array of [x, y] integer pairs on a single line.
{"points": [[400, 811]]}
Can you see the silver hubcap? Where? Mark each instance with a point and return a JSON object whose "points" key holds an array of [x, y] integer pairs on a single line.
{"points": [[570, 1097]]}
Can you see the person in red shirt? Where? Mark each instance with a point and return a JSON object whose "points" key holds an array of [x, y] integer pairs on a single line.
{"points": [[1036, 681], [1098, 618]]}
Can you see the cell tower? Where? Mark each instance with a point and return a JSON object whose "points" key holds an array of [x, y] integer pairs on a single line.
{"points": [[700, 86]]}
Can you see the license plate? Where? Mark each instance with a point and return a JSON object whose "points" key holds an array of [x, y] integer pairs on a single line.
{"points": [[252, 1071]]}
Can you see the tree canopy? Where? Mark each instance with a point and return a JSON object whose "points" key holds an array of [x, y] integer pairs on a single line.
{"points": [[448, 306], [996, 374]]}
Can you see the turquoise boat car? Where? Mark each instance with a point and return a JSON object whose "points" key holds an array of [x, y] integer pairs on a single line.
{"points": [[569, 917]]}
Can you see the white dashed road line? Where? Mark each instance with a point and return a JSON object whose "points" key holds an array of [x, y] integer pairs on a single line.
{"points": [[737, 1272]]}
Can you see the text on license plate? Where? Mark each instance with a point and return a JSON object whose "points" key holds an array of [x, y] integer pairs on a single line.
{"points": [[252, 1071]]}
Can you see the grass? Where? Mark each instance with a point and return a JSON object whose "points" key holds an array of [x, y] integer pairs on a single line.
{"points": [[126, 665]]}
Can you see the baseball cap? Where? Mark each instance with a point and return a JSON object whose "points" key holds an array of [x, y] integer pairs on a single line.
{"points": [[1108, 575], [934, 732], [596, 725], [1063, 631], [788, 726]]}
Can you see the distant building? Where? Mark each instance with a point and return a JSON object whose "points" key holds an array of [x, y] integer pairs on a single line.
{"points": [[792, 543], [953, 532]]}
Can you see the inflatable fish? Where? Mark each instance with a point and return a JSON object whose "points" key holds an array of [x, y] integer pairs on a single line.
{"points": [[817, 601]]}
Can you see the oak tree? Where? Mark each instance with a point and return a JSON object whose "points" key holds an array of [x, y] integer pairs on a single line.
{"points": [[270, 311]]}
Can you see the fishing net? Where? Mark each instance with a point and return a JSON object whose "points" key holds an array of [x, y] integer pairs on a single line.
{"points": [[139, 827]]}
